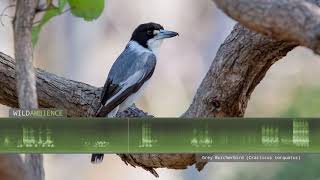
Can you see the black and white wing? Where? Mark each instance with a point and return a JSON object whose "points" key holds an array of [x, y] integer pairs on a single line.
{"points": [[130, 71]]}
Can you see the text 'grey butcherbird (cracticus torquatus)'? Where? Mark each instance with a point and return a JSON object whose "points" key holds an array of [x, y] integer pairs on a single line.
{"points": [[131, 71]]}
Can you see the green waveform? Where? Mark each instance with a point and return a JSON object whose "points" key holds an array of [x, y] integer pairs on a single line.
{"points": [[158, 135]]}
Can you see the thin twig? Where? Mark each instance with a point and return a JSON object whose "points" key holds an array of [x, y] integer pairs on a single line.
{"points": [[3, 11], [67, 10]]}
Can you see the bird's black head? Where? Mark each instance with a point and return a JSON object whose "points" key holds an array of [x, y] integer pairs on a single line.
{"points": [[148, 35]]}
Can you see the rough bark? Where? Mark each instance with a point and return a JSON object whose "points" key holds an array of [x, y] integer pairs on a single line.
{"points": [[25, 75], [34, 165], [240, 64], [22, 27], [293, 20]]}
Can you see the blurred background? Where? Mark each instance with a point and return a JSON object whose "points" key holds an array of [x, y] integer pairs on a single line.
{"points": [[84, 51]]}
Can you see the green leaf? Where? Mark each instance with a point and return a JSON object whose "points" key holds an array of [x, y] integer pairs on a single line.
{"points": [[35, 35], [61, 5], [49, 14], [88, 10]]}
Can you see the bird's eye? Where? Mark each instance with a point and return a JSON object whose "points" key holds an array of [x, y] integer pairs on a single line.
{"points": [[156, 32], [149, 32]]}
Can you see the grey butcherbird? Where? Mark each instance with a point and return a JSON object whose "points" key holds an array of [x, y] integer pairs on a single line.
{"points": [[131, 71]]}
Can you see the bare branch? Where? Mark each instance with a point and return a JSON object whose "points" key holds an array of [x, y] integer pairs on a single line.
{"points": [[294, 20]]}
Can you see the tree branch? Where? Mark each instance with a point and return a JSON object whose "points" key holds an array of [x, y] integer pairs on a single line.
{"points": [[75, 98], [293, 20], [240, 64]]}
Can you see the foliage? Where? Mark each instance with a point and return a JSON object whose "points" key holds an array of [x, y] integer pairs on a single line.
{"points": [[88, 10], [305, 103]]}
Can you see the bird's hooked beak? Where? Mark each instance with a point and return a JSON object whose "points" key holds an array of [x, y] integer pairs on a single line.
{"points": [[163, 34]]}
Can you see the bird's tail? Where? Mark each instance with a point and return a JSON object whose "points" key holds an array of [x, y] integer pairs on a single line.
{"points": [[103, 112], [96, 158]]}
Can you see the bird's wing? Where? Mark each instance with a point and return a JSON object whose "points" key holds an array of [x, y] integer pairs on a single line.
{"points": [[125, 78], [109, 90]]}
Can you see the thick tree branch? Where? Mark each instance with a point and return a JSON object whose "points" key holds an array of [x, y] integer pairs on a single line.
{"points": [[75, 98], [293, 20], [240, 64]]}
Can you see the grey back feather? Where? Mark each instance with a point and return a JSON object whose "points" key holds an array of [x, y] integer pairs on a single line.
{"points": [[129, 62]]}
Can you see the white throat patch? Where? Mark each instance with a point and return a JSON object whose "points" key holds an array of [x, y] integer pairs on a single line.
{"points": [[136, 47], [154, 45]]}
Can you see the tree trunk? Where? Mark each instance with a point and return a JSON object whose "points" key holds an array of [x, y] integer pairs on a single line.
{"points": [[25, 76]]}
